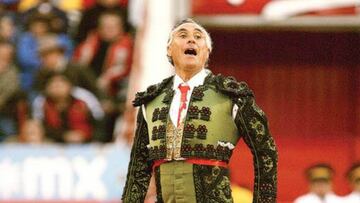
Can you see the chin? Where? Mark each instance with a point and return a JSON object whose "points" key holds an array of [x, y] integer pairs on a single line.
{"points": [[191, 66]]}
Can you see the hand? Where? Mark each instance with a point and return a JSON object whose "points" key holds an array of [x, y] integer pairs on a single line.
{"points": [[108, 106], [74, 137], [103, 84]]}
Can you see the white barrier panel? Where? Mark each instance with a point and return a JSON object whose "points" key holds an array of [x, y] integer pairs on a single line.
{"points": [[61, 172]]}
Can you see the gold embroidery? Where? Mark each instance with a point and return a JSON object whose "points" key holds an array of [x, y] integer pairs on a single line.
{"points": [[173, 141]]}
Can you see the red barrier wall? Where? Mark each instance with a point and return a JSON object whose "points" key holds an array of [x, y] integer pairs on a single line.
{"points": [[308, 85]]}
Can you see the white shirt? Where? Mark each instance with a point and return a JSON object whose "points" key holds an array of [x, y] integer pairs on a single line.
{"points": [[353, 197], [195, 81], [313, 198]]}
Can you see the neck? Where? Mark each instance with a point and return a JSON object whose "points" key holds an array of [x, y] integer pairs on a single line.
{"points": [[186, 75]]}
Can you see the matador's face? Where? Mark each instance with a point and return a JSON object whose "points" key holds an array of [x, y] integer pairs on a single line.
{"points": [[188, 48]]}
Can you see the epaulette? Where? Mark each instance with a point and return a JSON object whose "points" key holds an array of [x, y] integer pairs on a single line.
{"points": [[151, 92], [229, 86]]}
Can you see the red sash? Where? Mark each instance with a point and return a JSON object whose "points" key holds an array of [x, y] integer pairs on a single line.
{"points": [[197, 161]]}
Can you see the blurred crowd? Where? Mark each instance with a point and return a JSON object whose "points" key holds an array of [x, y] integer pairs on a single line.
{"points": [[320, 181], [64, 67]]}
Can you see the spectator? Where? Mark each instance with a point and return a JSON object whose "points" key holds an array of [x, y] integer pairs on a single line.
{"points": [[108, 51], [53, 59], [72, 9], [8, 5], [27, 49], [353, 176], [32, 132], [8, 93], [89, 19], [320, 178], [8, 28], [58, 20], [65, 118]]}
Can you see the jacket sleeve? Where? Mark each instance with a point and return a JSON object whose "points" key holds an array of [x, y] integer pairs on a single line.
{"points": [[139, 170], [253, 126]]}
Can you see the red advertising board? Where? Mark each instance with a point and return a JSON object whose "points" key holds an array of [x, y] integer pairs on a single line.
{"points": [[205, 7], [258, 7]]}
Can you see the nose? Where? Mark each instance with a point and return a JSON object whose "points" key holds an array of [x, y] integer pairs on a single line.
{"points": [[191, 40]]}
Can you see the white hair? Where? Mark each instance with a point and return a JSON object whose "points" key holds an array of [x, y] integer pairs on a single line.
{"points": [[208, 40], [189, 20]]}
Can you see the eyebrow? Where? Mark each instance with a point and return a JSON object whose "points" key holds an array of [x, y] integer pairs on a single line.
{"points": [[184, 30], [197, 29]]}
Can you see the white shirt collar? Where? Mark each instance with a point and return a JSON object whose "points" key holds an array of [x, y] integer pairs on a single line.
{"points": [[196, 80]]}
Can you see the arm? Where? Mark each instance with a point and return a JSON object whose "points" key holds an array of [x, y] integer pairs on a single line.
{"points": [[252, 124], [27, 53], [139, 170], [66, 41], [8, 91], [78, 120], [121, 54]]}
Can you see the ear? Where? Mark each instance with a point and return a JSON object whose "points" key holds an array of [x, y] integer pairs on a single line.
{"points": [[168, 50]]}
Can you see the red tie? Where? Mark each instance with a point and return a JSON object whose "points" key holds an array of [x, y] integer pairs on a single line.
{"points": [[184, 90]]}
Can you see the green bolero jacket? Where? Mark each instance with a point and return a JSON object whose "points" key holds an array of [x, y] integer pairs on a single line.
{"points": [[250, 124]]}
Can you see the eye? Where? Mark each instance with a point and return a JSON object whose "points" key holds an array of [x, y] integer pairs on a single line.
{"points": [[197, 36], [182, 35]]}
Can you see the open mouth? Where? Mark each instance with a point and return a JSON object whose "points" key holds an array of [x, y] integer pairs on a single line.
{"points": [[190, 52]]}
